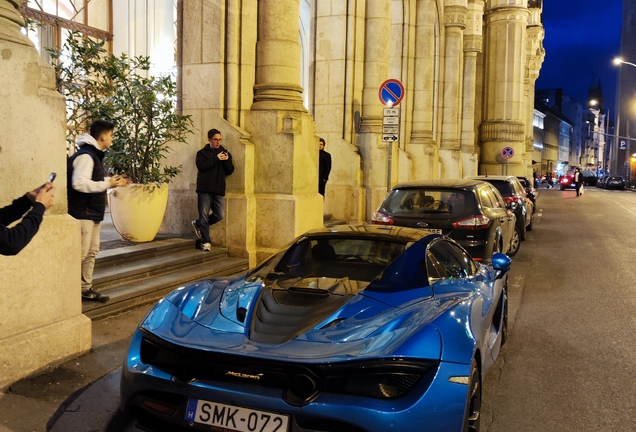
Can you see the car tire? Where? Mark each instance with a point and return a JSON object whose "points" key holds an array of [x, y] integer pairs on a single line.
{"points": [[515, 242], [472, 416]]}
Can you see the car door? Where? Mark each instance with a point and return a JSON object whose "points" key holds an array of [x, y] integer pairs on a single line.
{"points": [[521, 192], [504, 219]]}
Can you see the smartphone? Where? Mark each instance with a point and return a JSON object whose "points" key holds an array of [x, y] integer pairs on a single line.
{"points": [[52, 177]]}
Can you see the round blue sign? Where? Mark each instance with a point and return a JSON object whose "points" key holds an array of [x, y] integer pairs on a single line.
{"points": [[391, 92], [507, 152]]}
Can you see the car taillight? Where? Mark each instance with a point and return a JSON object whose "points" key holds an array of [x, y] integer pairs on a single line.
{"points": [[564, 180], [511, 199], [381, 219], [477, 222]]}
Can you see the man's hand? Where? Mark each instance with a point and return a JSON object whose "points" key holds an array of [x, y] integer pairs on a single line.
{"points": [[45, 194], [119, 180], [223, 156]]}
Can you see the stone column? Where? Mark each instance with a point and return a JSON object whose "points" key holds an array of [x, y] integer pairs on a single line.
{"points": [[534, 59], [41, 321], [454, 25], [422, 147], [472, 46], [278, 55], [504, 99], [376, 71], [285, 142]]}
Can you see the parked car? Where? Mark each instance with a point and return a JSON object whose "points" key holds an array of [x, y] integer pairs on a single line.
{"points": [[351, 328], [515, 196], [589, 178], [614, 182], [601, 182], [471, 212], [567, 182], [531, 191]]}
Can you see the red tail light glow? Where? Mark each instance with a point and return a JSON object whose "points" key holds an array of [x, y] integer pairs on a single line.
{"points": [[381, 219], [477, 222], [511, 199]]}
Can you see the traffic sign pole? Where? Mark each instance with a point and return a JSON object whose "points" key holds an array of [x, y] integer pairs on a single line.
{"points": [[391, 93]]}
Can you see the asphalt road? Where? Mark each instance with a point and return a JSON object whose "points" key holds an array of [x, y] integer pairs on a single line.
{"points": [[569, 364]]}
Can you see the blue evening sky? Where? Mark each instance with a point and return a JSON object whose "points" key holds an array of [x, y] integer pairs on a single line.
{"points": [[582, 37]]}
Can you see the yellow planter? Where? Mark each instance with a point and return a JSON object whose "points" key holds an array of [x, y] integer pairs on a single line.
{"points": [[137, 210]]}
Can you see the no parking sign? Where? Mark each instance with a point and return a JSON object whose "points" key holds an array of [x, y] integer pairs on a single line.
{"points": [[507, 153]]}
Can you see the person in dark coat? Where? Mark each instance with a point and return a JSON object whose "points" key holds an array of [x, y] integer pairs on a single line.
{"points": [[578, 180], [324, 167], [34, 204], [214, 163]]}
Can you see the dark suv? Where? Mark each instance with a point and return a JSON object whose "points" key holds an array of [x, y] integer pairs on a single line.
{"points": [[470, 212], [516, 198]]}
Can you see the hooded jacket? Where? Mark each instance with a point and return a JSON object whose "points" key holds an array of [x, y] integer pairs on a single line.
{"points": [[212, 171], [85, 180]]}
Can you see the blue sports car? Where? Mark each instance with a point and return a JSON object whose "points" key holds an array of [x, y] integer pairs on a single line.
{"points": [[352, 328]]}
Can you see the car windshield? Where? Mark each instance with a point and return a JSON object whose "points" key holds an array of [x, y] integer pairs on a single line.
{"points": [[337, 257], [417, 201], [504, 187]]}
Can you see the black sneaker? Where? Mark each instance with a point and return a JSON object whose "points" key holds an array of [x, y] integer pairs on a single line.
{"points": [[197, 231], [93, 295]]}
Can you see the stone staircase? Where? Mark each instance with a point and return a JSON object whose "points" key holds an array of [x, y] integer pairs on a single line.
{"points": [[143, 273]]}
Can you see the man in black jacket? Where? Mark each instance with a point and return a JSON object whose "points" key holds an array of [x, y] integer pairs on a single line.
{"points": [[324, 167], [214, 163], [13, 240], [86, 186]]}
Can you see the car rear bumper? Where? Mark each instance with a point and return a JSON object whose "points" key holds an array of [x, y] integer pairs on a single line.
{"points": [[436, 402]]}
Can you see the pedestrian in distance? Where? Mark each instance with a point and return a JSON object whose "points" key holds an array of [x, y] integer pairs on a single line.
{"points": [[87, 188], [324, 167], [214, 164], [578, 181], [34, 204]]}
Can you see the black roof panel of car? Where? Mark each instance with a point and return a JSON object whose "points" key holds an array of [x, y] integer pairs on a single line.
{"points": [[449, 183]]}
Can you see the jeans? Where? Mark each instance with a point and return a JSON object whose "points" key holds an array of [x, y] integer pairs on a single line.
{"points": [[90, 247], [207, 202]]}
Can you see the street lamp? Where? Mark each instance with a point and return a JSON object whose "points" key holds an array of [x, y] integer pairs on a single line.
{"points": [[605, 133], [619, 61]]}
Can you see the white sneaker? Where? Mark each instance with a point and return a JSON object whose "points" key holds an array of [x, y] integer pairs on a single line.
{"points": [[205, 247]]}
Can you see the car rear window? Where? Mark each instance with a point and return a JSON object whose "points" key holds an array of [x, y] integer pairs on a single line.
{"points": [[418, 201], [502, 186]]}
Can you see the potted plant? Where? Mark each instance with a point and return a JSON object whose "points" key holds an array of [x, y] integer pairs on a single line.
{"points": [[98, 85]]}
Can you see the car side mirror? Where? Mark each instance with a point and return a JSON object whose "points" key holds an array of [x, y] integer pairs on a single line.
{"points": [[501, 261]]}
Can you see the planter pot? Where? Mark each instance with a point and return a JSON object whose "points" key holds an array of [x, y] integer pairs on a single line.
{"points": [[137, 210]]}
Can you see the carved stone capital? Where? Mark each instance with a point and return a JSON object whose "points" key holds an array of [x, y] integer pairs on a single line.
{"points": [[473, 43], [455, 16]]}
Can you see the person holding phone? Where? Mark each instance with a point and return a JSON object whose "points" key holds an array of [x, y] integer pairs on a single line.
{"points": [[214, 163], [87, 196], [34, 204]]}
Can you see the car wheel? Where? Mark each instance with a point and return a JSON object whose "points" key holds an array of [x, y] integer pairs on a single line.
{"points": [[473, 403], [562, 188], [514, 243]]}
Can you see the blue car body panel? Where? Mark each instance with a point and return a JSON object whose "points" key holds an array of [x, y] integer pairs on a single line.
{"points": [[397, 317]]}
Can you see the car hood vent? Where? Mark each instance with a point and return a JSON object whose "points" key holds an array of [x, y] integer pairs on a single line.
{"points": [[282, 313]]}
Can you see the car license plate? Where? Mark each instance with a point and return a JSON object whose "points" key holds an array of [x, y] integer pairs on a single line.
{"points": [[234, 418], [433, 230]]}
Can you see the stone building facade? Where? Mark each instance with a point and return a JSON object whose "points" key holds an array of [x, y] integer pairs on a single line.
{"points": [[274, 75]]}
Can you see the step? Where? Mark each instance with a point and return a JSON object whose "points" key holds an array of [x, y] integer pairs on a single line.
{"points": [[151, 289], [136, 269], [115, 257]]}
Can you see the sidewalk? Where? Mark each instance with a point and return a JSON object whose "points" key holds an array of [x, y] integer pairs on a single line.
{"points": [[81, 394]]}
